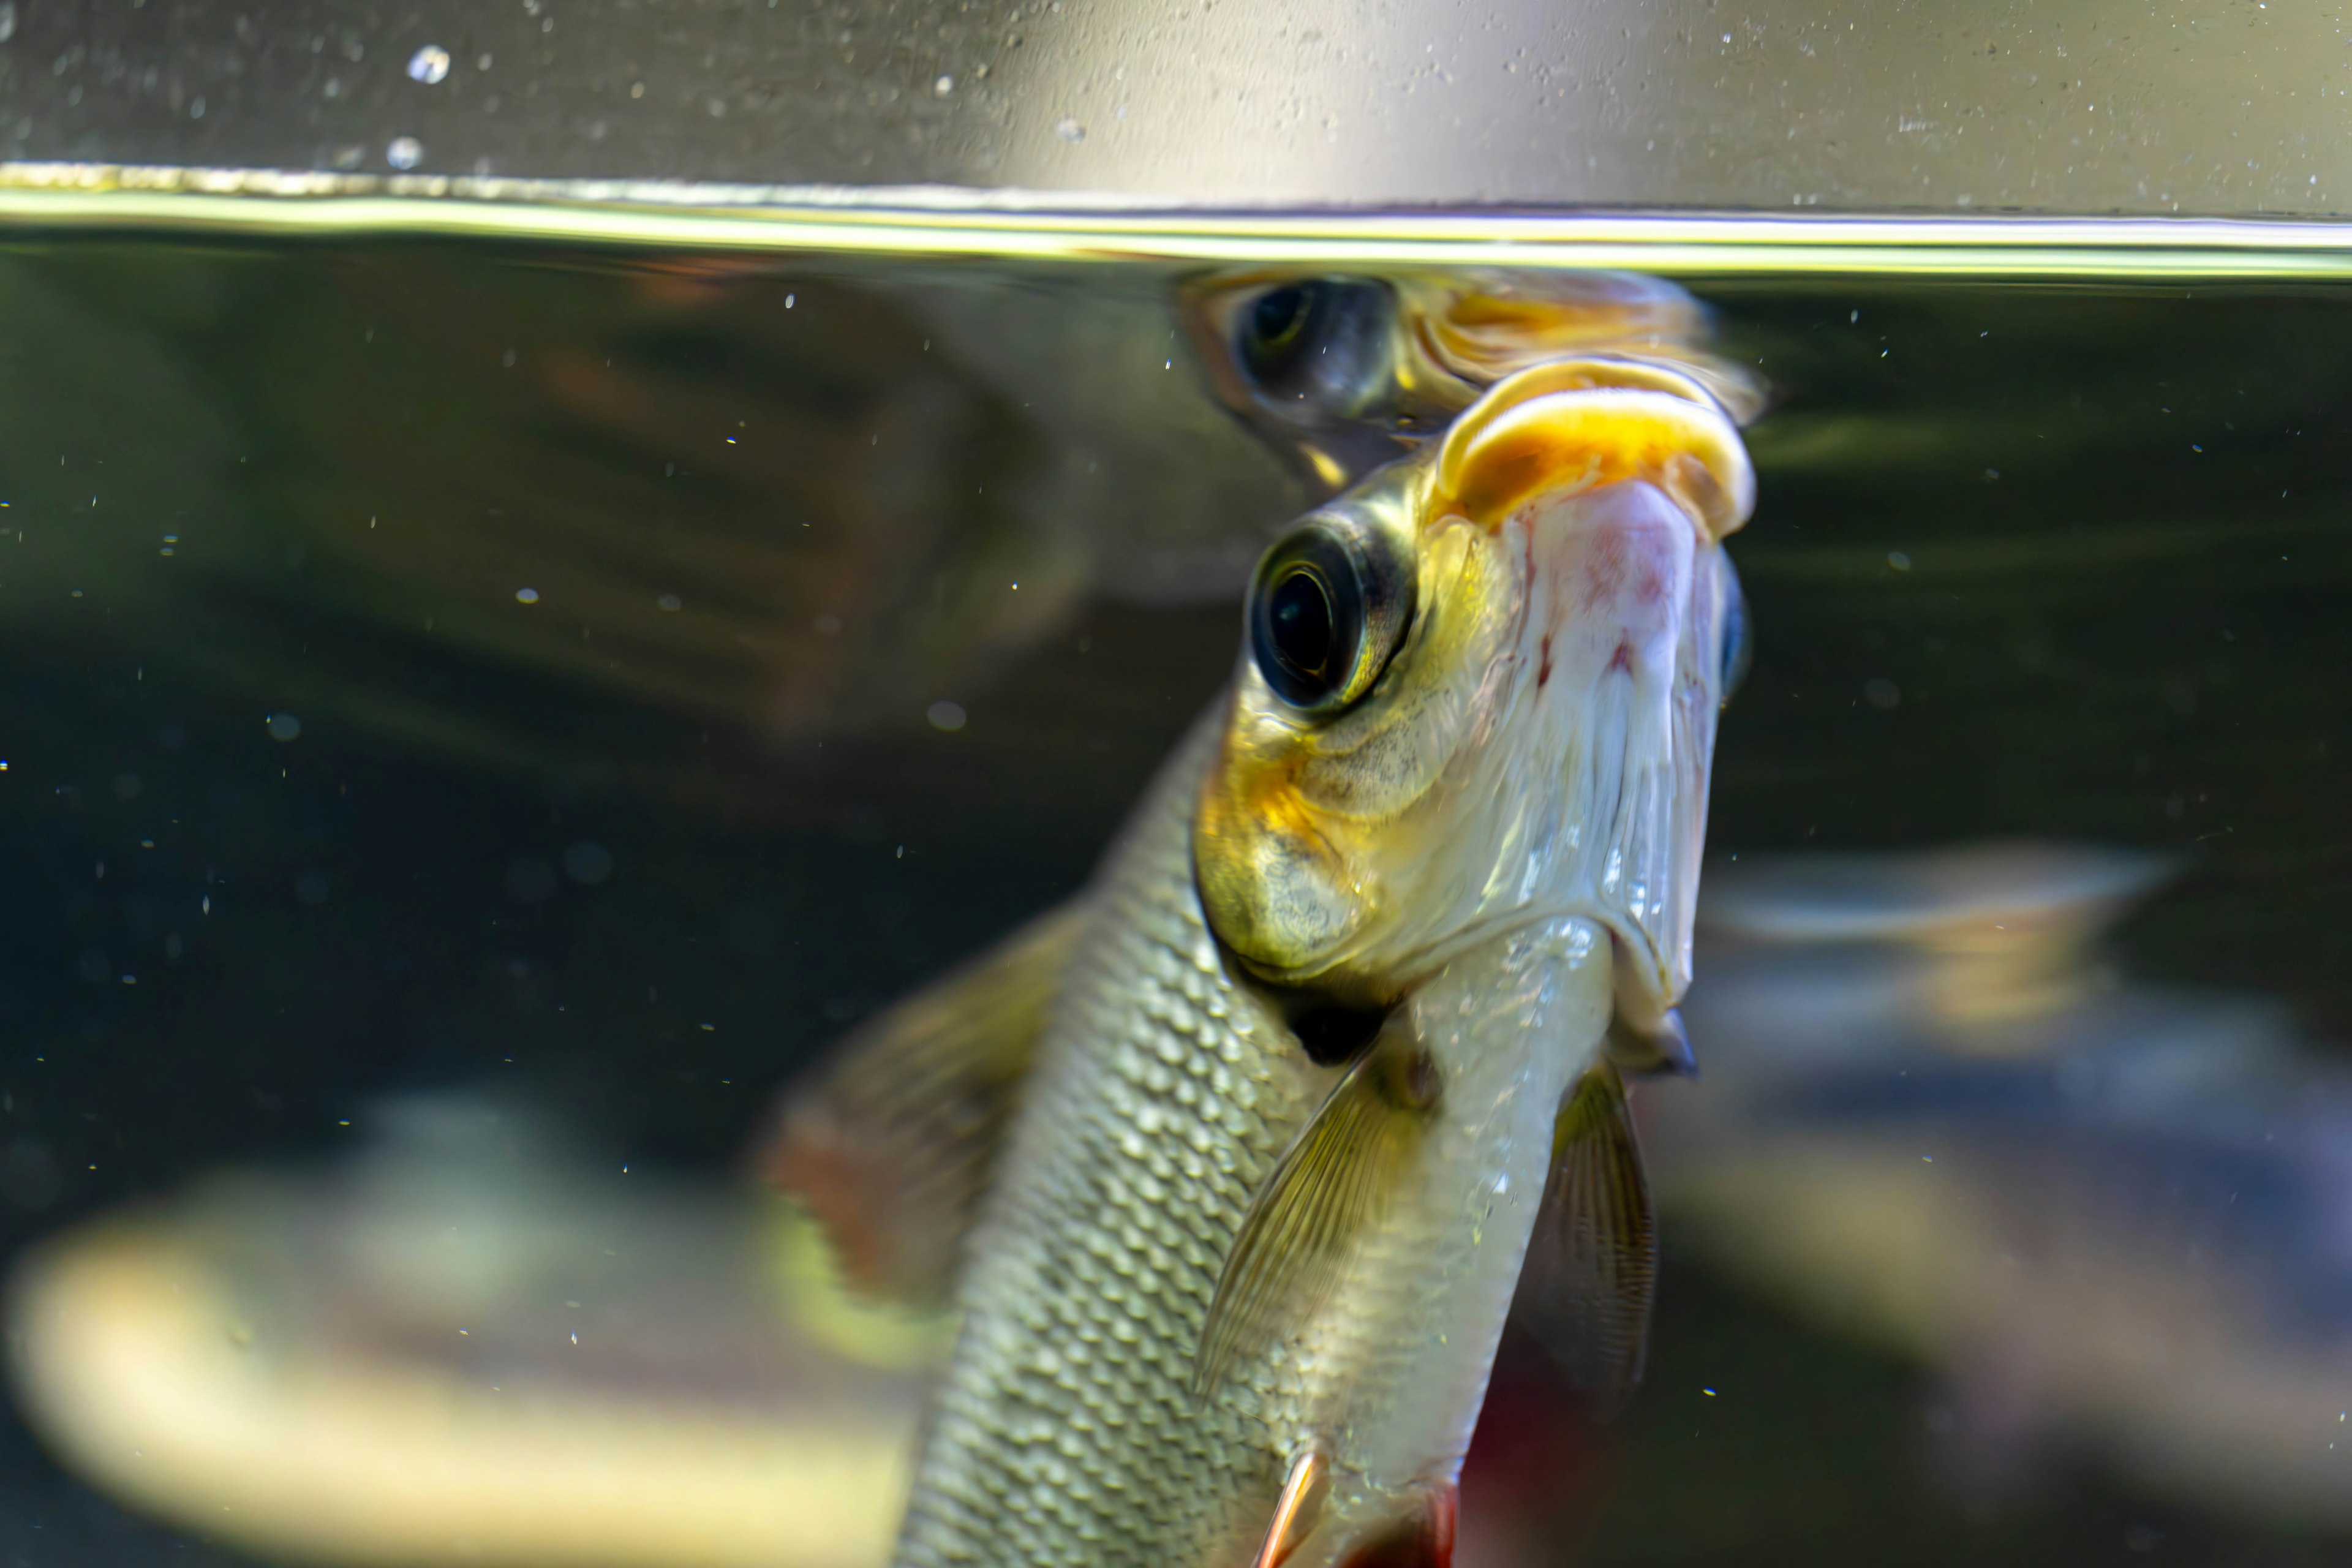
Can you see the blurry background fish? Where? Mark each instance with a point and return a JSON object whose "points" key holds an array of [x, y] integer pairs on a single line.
{"points": [[2110, 1217], [2115, 1216]]}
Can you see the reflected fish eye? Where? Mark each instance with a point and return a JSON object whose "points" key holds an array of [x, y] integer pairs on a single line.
{"points": [[1326, 613], [1322, 340], [1738, 649]]}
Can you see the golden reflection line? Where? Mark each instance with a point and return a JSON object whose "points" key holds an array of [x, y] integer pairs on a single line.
{"points": [[1017, 226]]}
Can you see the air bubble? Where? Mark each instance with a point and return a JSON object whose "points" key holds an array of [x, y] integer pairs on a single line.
{"points": [[429, 65], [404, 152]]}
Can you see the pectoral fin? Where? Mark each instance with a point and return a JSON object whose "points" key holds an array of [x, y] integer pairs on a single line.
{"points": [[1592, 1267], [892, 1141], [1331, 1186]]}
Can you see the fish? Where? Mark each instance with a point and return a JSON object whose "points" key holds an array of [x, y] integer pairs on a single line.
{"points": [[1336, 374], [1340, 372], [1329, 1062], [471, 1336], [2104, 1210]]}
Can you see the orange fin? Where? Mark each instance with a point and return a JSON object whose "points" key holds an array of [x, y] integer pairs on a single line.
{"points": [[1293, 1514], [1420, 1540], [892, 1141]]}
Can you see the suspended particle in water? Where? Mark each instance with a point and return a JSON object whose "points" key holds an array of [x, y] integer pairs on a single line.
{"points": [[311, 888], [404, 152], [670, 601], [1069, 130], [1900, 561], [946, 716], [944, 85], [587, 863], [1882, 693], [429, 65], [285, 727], [526, 595]]}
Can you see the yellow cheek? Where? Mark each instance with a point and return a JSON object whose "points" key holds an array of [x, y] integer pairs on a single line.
{"points": [[1276, 889]]}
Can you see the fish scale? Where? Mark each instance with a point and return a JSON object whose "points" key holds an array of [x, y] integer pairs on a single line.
{"points": [[1067, 1425]]}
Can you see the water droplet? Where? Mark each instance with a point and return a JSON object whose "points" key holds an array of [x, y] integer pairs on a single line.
{"points": [[587, 863], [285, 727], [404, 152], [1069, 130], [429, 65], [526, 595], [946, 716]]}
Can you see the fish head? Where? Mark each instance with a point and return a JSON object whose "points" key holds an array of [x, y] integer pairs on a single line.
{"points": [[1479, 690], [1345, 372]]}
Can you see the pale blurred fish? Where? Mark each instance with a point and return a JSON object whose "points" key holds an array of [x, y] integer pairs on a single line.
{"points": [[2110, 1214], [469, 1344]]}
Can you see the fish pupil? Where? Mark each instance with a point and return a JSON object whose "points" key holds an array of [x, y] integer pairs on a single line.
{"points": [[1277, 316], [1304, 633]]}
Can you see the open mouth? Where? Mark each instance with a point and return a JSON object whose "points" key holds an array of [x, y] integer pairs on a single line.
{"points": [[1558, 430]]}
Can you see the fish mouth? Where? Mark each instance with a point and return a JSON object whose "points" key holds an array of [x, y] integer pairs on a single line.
{"points": [[1556, 430], [1617, 480]]}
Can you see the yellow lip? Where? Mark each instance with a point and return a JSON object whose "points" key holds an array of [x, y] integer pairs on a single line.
{"points": [[1578, 424]]}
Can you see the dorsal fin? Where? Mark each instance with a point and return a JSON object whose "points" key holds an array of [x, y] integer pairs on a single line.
{"points": [[891, 1142]]}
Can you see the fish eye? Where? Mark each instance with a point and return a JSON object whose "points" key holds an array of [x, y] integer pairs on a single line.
{"points": [[1323, 342], [1738, 649], [1325, 612]]}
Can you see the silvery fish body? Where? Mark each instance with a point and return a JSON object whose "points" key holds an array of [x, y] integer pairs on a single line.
{"points": [[1068, 1430], [1235, 1289]]}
